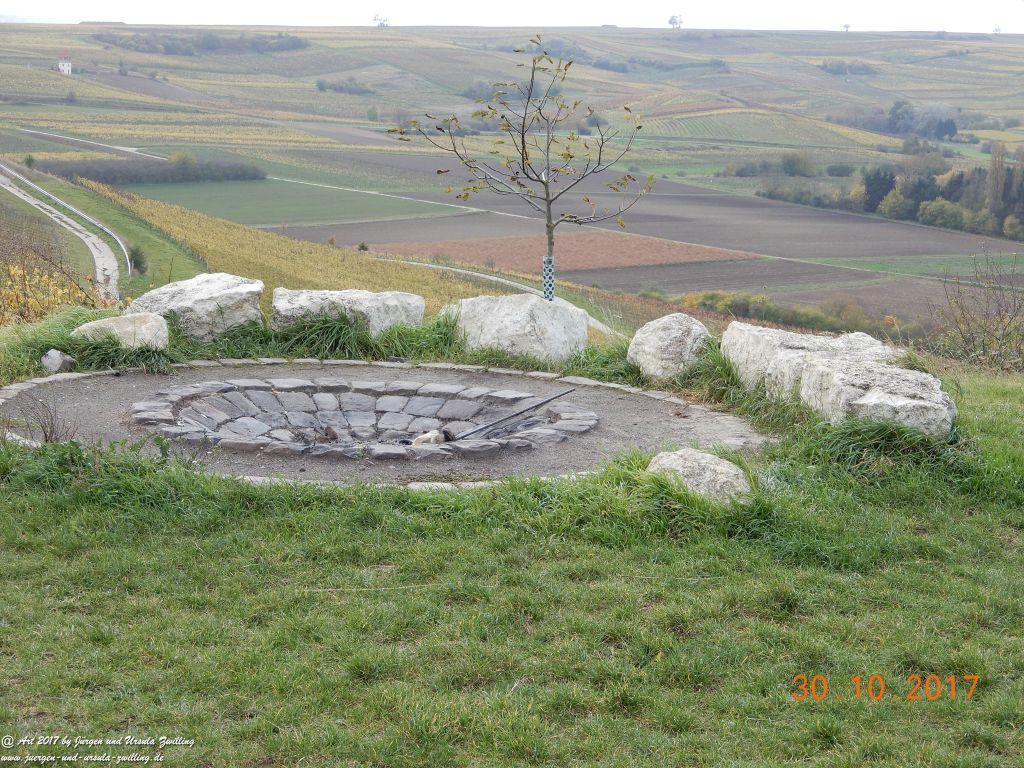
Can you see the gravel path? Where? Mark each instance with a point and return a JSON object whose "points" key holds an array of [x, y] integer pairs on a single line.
{"points": [[100, 405], [104, 260]]}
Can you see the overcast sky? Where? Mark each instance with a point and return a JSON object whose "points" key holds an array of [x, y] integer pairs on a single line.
{"points": [[949, 15]]}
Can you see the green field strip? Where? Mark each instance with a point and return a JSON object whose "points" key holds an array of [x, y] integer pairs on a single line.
{"points": [[273, 202]]}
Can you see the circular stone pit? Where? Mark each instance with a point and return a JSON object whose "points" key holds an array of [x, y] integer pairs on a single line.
{"points": [[102, 407], [339, 418]]}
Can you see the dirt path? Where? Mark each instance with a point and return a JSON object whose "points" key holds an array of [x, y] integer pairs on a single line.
{"points": [[104, 260]]}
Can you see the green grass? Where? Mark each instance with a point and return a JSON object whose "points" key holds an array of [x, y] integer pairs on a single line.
{"points": [[924, 266], [611, 620], [273, 203], [167, 261]]}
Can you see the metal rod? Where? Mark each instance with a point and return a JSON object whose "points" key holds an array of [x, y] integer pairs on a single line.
{"points": [[521, 411]]}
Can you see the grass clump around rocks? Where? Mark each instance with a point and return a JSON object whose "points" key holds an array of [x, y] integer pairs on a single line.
{"points": [[612, 619]]}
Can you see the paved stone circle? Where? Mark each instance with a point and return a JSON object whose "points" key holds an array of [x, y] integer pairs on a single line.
{"points": [[355, 419]]}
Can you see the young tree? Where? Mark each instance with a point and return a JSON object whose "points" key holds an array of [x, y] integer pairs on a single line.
{"points": [[675, 21], [537, 156], [996, 180]]}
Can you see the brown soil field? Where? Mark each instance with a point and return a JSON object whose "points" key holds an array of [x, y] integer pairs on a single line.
{"points": [[573, 251], [686, 213], [788, 282], [734, 275]]}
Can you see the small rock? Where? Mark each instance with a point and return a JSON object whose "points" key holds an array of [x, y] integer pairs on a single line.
{"points": [[56, 361], [702, 473]]}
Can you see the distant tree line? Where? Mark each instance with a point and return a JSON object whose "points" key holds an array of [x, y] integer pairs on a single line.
{"points": [[181, 168], [569, 50], [348, 85], [933, 121], [198, 43], [987, 201]]}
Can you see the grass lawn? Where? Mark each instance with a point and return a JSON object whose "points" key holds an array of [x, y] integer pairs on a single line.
{"points": [[272, 203], [612, 620]]}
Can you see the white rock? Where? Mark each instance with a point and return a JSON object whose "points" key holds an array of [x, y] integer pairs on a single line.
{"points": [[377, 311], [668, 346], [207, 305], [777, 359], [142, 329], [521, 324], [840, 389], [56, 361], [702, 473]]}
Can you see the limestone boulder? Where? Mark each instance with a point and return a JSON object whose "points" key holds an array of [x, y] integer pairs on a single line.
{"points": [[702, 473], [839, 389], [521, 324], [141, 329], [377, 311], [55, 361], [668, 346], [777, 359], [207, 305]]}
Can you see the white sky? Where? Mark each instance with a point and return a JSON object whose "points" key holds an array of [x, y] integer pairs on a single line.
{"points": [[862, 15]]}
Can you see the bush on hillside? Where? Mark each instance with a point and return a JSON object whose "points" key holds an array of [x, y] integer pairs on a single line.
{"points": [[797, 164], [942, 213], [841, 170]]}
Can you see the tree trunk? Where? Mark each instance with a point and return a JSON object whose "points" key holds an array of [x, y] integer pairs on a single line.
{"points": [[548, 272]]}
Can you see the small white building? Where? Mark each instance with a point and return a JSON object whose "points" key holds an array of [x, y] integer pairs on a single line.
{"points": [[64, 66]]}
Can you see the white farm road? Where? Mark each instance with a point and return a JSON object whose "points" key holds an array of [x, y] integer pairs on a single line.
{"points": [[104, 260]]}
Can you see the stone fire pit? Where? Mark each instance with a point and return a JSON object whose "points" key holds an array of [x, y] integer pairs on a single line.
{"points": [[340, 418]]}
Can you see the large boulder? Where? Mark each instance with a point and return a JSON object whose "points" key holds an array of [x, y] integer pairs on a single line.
{"points": [[207, 305], [521, 324], [838, 389], [777, 359], [142, 329], [702, 473], [377, 311], [668, 346]]}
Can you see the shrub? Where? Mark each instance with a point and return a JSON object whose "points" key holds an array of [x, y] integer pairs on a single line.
{"points": [[941, 213], [797, 164], [138, 260], [1013, 228], [840, 170], [894, 206], [982, 222], [983, 320]]}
